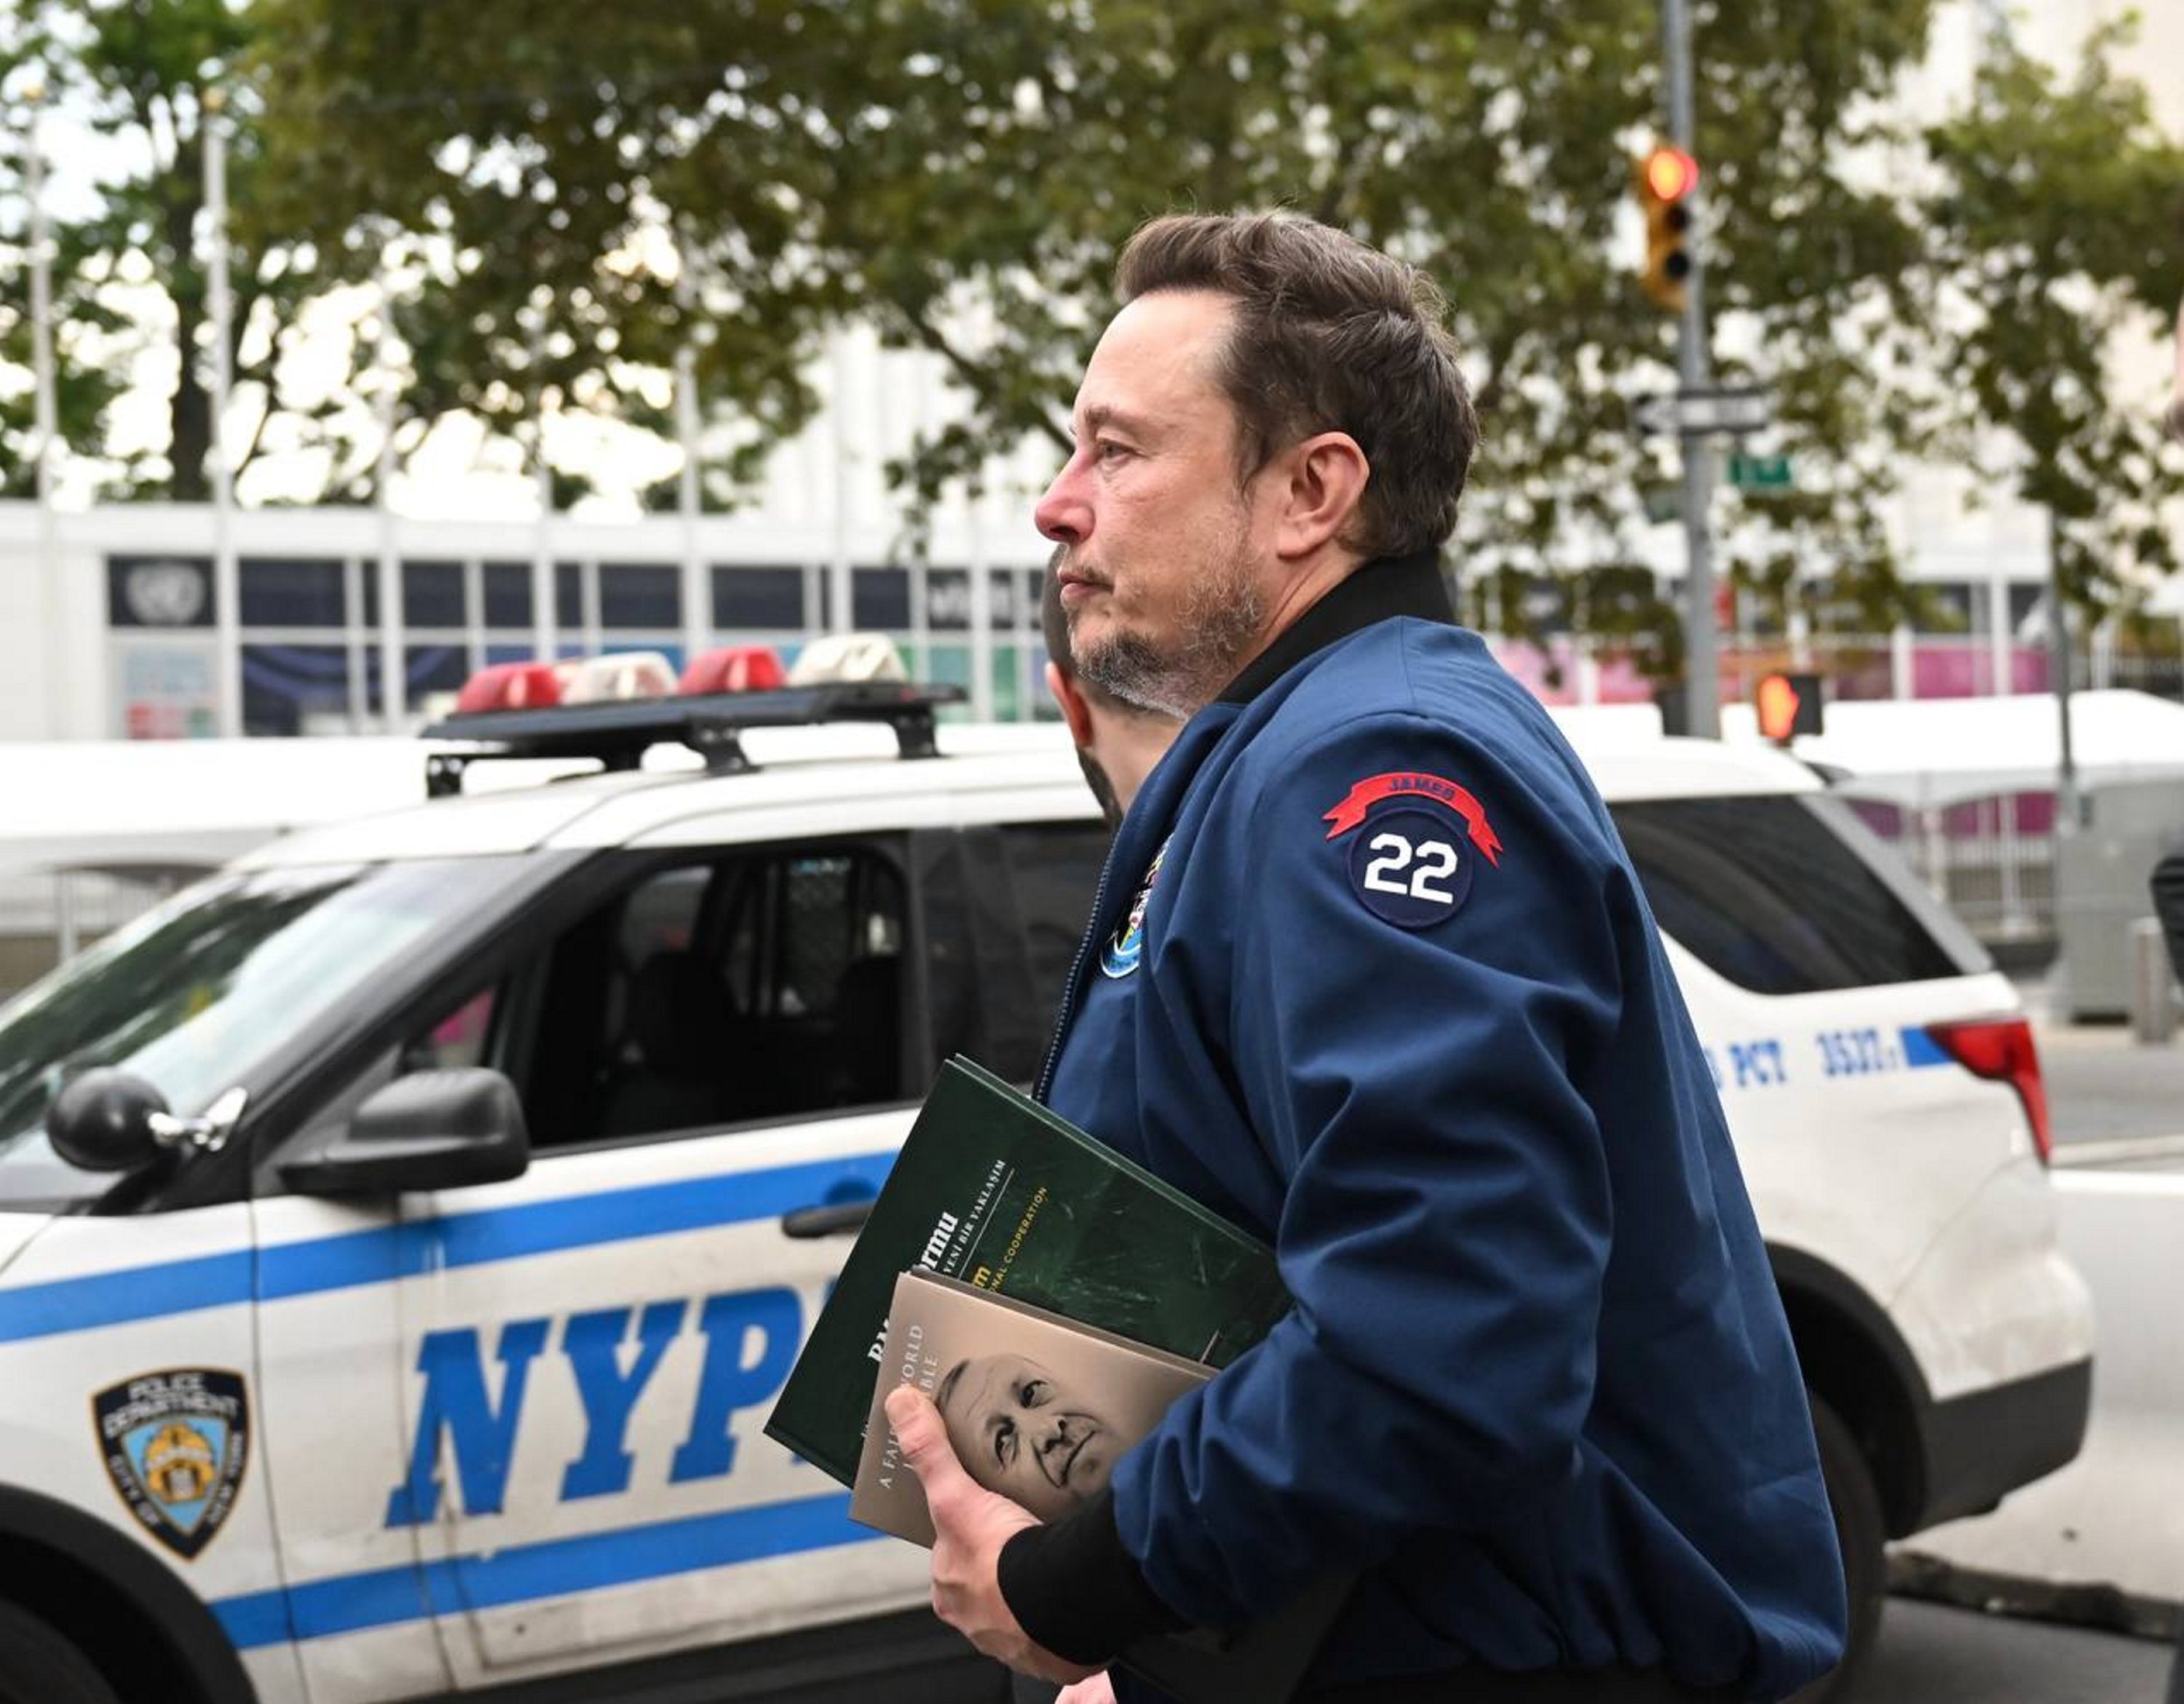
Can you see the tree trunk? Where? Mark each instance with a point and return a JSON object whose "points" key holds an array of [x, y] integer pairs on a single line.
{"points": [[189, 412]]}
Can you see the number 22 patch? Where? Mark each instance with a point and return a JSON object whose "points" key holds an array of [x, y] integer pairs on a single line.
{"points": [[1407, 864]]}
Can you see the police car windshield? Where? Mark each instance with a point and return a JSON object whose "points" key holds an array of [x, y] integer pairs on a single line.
{"points": [[198, 994]]}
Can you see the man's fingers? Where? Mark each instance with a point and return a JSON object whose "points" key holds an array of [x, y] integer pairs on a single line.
{"points": [[924, 1439]]}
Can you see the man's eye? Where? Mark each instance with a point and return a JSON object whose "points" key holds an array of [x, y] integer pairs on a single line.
{"points": [[1032, 1392], [1005, 1443], [1106, 449]]}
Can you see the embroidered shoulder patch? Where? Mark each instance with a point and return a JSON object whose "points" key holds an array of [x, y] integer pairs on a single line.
{"points": [[1410, 866], [1120, 956]]}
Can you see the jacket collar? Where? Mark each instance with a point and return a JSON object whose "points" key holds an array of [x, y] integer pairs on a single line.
{"points": [[1377, 591]]}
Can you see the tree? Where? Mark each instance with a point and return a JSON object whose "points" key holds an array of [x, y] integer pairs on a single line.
{"points": [[2056, 227], [128, 277], [961, 172]]}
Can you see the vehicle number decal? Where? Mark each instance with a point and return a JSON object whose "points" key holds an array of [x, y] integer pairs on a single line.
{"points": [[1858, 1052]]}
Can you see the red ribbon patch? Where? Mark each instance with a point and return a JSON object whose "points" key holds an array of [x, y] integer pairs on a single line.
{"points": [[1368, 793]]}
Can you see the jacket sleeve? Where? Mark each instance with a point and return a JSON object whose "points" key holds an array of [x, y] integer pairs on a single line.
{"points": [[1447, 1221]]}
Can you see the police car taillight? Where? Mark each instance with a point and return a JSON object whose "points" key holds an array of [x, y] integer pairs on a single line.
{"points": [[734, 669], [2002, 1051], [511, 686]]}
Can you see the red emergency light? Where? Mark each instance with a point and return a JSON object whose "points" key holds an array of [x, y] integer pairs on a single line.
{"points": [[734, 669], [511, 686]]}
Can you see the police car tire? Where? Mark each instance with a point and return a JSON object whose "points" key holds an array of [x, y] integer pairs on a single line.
{"points": [[39, 1666], [1862, 1533]]}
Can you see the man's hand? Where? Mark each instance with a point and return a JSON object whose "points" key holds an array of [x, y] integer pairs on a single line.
{"points": [[1098, 1690], [970, 1525]]}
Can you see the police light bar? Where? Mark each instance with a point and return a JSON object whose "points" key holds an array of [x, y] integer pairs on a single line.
{"points": [[619, 733]]}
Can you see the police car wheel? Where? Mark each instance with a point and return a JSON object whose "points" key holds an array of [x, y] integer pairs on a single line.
{"points": [[1862, 1534], [38, 1665]]}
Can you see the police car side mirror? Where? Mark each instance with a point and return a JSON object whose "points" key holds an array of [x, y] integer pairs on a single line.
{"points": [[430, 1130], [101, 1120]]}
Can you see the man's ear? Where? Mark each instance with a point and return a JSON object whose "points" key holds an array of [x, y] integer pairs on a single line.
{"points": [[1074, 710], [1325, 481]]}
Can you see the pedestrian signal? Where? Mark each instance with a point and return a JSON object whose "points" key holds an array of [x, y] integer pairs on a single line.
{"points": [[1788, 705], [1666, 178]]}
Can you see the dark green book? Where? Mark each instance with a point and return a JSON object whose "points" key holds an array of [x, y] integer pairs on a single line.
{"points": [[997, 1191]]}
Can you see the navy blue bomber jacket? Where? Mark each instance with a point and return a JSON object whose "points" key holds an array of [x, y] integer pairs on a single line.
{"points": [[1372, 976]]}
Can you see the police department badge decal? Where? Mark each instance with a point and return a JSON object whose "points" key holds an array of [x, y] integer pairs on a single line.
{"points": [[175, 1444]]}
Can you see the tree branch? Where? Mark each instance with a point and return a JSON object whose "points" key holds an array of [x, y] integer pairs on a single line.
{"points": [[1498, 358], [970, 372]]}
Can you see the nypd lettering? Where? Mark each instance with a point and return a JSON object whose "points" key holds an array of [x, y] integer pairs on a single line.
{"points": [[175, 1444], [474, 1418], [1125, 947], [1418, 836]]}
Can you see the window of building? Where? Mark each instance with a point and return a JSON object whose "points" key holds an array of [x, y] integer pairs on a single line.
{"points": [[507, 587], [432, 595], [633, 595], [292, 594], [758, 598]]}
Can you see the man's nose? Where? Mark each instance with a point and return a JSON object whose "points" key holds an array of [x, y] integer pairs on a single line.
{"points": [[1064, 514]]}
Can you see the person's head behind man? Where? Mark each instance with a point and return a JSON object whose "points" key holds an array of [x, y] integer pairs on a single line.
{"points": [[1275, 404], [1117, 743]]}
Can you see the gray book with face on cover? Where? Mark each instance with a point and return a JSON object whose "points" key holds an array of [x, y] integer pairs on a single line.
{"points": [[1039, 1408]]}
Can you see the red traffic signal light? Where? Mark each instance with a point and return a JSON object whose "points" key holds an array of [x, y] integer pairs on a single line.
{"points": [[1666, 178], [1670, 173]]}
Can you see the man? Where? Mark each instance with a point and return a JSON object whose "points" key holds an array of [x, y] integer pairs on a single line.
{"points": [[1397, 1005], [1118, 742]]}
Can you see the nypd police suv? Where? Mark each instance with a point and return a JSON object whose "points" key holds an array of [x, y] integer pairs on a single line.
{"points": [[404, 1233]]}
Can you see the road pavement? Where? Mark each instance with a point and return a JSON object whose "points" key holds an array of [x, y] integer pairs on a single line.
{"points": [[1931, 1654], [2103, 1084]]}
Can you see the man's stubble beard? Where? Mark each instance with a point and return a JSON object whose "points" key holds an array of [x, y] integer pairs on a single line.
{"points": [[1222, 612]]}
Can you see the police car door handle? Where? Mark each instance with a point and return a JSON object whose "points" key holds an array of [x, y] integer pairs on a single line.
{"points": [[829, 1221]]}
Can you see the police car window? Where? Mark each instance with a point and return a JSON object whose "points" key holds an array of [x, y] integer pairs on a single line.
{"points": [[1054, 869], [1774, 893], [198, 994], [761, 986]]}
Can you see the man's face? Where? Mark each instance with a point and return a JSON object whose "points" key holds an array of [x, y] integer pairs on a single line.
{"points": [[1165, 565], [1015, 1432]]}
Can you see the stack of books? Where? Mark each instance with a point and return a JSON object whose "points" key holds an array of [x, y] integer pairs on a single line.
{"points": [[1053, 1298]]}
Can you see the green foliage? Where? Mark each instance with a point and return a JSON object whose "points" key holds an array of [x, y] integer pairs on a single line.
{"points": [[140, 70], [2057, 236], [961, 173]]}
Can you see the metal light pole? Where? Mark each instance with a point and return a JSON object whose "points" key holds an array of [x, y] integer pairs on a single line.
{"points": [[1701, 642], [697, 594], [393, 621], [47, 413], [2067, 817], [220, 307]]}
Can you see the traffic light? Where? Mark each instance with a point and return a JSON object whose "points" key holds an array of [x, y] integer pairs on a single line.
{"points": [[1666, 178], [1788, 705]]}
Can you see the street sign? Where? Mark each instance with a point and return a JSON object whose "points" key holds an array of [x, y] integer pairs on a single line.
{"points": [[1730, 410], [1760, 472]]}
